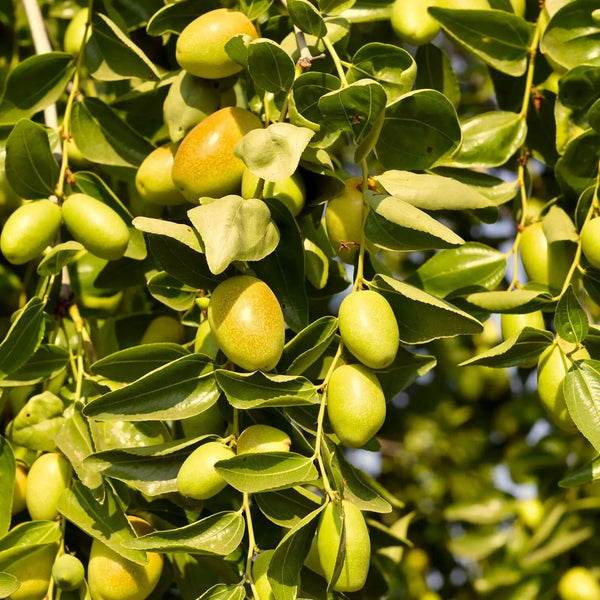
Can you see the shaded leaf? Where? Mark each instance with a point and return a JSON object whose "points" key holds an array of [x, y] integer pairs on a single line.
{"points": [[571, 320]]}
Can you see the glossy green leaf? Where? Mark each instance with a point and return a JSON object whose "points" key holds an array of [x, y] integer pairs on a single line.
{"points": [[9, 584], [579, 88], [171, 292], [513, 302], [586, 474], [258, 389], [93, 185], [173, 18], [8, 468], [25, 538], [180, 389], [222, 591], [269, 65], [265, 471], [306, 17], [571, 320], [60, 256], [435, 72], [307, 91], [288, 507], [577, 168], [31, 169], [558, 226], [404, 371], [594, 116], [176, 231], [334, 7], [46, 361]]}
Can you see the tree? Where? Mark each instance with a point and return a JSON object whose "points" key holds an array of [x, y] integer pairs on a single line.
{"points": [[219, 214]]}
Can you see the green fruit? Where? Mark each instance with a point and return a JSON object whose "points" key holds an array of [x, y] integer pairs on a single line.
{"points": [[369, 329], [263, 438], [9, 199], [68, 572], [29, 230], [533, 248], [197, 477], [153, 178], [530, 511], [164, 329], [343, 220], [204, 164], [208, 421], [83, 275], [48, 478], [34, 571], [112, 577], [412, 23], [590, 241], [356, 544], [19, 490], [200, 48], [513, 324], [96, 226], [247, 322], [553, 365], [75, 30], [205, 342], [291, 191], [355, 404], [260, 566], [578, 583]]}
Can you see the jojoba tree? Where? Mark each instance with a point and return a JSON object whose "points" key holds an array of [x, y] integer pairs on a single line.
{"points": [[299, 224]]}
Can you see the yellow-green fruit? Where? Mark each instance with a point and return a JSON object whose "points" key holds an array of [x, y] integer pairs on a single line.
{"points": [[263, 438], [291, 191], [34, 572], [357, 545], [9, 199], [534, 252], [164, 329], [260, 567], [553, 365], [153, 178], [204, 164], [112, 577], [578, 583], [83, 275], [355, 404], [68, 572], [205, 342], [514, 324], [465, 4], [590, 241], [47, 479], [208, 421], [369, 329], [412, 23], [19, 490], [247, 322], [197, 477], [530, 511], [95, 225], [29, 230], [75, 30], [343, 220], [200, 48]]}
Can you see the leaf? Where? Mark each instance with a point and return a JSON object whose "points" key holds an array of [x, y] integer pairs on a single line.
{"points": [[171, 292], [269, 65], [473, 264], [222, 591], [286, 508], [180, 389], [306, 17], [490, 511], [258, 389], [334, 7], [111, 56], [307, 91], [177, 231], [9, 584], [234, 229], [8, 469], [405, 370], [594, 116], [265, 471], [559, 544], [47, 360], [25, 538], [23, 337], [60, 256], [173, 18], [273, 153], [92, 185], [220, 533], [586, 474], [34, 84], [499, 38], [255, 8], [577, 168], [31, 169], [512, 302], [570, 319], [422, 317], [435, 72]]}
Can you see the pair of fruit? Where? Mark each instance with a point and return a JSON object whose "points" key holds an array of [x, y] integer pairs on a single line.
{"points": [[34, 226]]}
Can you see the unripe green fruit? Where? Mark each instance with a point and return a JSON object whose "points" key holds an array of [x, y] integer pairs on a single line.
{"points": [[514, 324], [47, 479], [164, 329], [263, 438], [355, 404], [578, 583], [590, 241], [369, 329], [153, 178], [201, 46], [204, 164], [412, 23], [19, 490], [9, 199], [357, 545], [68, 572], [33, 571], [247, 322], [112, 577], [343, 220], [83, 275], [95, 225], [29, 230], [260, 567], [291, 191], [197, 477], [553, 366], [205, 342], [75, 30], [530, 511], [534, 252]]}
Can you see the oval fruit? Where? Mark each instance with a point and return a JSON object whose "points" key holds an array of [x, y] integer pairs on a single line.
{"points": [[83, 275], [260, 566], [291, 191], [357, 546], [164, 329], [75, 30], [95, 225], [343, 220], [590, 241], [412, 23], [204, 164], [49, 476], [9, 199], [68, 572], [578, 583], [513, 324], [153, 178], [29, 230], [200, 48], [247, 322], [533, 248], [369, 329], [112, 577], [33, 571], [19, 490], [197, 477], [355, 404], [263, 438]]}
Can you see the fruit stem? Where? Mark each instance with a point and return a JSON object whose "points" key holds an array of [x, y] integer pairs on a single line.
{"points": [[359, 276], [251, 544], [336, 61], [356, 14], [530, 70]]}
